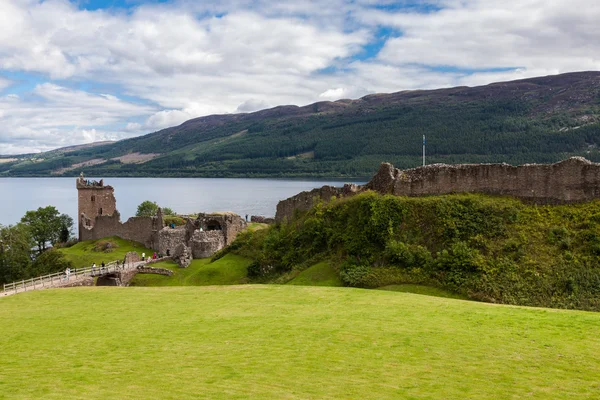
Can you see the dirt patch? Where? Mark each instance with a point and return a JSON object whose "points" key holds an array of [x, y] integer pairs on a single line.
{"points": [[7, 160], [136, 158], [307, 155], [88, 163], [241, 133]]}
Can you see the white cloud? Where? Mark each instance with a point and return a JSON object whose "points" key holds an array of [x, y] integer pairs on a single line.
{"points": [[186, 62], [476, 34], [348, 92], [251, 105], [55, 116]]}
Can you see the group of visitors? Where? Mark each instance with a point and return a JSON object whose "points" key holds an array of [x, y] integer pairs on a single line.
{"points": [[154, 257], [102, 268]]}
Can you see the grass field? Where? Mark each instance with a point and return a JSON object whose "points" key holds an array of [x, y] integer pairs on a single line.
{"points": [[321, 274], [83, 255], [425, 290], [289, 342], [228, 270]]}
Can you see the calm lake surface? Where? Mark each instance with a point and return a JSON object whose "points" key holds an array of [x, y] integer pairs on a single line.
{"points": [[184, 195]]}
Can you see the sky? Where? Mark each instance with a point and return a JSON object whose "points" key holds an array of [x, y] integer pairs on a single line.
{"points": [[82, 71]]}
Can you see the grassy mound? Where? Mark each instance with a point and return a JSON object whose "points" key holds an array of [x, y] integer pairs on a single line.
{"points": [[274, 342], [228, 270], [487, 248], [85, 253], [321, 274]]}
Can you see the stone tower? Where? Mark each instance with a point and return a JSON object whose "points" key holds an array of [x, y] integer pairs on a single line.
{"points": [[94, 199]]}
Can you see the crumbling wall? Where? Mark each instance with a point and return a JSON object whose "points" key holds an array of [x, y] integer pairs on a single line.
{"points": [[304, 201], [569, 181], [229, 224], [169, 238], [93, 199], [139, 229], [206, 243]]}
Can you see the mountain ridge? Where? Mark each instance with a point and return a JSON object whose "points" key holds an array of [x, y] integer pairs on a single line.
{"points": [[526, 120]]}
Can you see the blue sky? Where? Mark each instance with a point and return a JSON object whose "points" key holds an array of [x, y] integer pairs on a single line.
{"points": [[74, 72]]}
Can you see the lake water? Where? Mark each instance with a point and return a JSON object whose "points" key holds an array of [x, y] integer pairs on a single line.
{"points": [[184, 195]]}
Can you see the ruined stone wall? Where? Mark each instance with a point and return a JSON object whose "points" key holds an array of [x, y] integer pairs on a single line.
{"points": [[139, 229], [206, 243], [569, 181], [169, 238], [304, 201], [94, 199], [230, 224]]}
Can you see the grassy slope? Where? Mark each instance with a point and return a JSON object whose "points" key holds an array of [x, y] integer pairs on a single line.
{"points": [[424, 290], [321, 274], [289, 342], [83, 255], [229, 270], [494, 249]]}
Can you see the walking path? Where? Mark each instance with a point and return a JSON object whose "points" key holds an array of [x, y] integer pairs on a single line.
{"points": [[60, 279]]}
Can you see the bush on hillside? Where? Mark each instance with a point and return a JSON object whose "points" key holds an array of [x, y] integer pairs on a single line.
{"points": [[489, 248]]}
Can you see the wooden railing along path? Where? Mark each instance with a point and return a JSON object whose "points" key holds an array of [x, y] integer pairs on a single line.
{"points": [[59, 279]]}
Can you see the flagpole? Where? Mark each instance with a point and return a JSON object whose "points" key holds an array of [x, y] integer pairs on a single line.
{"points": [[423, 150]]}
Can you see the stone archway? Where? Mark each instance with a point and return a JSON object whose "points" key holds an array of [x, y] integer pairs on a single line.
{"points": [[213, 225]]}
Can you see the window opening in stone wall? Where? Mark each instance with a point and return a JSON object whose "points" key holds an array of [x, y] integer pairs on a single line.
{"points": [[213, 225], [93, 198], [100, 211]]}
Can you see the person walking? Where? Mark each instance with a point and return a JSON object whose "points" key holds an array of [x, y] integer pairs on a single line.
{"points": [[93, 269], [143, 256], [103, 265], [68, 273]]}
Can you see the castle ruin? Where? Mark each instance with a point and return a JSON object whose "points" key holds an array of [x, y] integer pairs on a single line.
{"points": [[202, 237], [570, 181]]}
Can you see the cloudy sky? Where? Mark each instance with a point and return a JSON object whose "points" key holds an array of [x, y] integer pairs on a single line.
{"points": [[81, 71]]}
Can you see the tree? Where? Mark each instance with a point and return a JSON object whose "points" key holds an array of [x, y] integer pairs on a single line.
{"points": [[66, 226], [49, 262], [15, 252], [168, 211], [149, 208], [46, 225]]}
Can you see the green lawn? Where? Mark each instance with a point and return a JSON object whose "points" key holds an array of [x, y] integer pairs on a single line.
{"points": [[424, 290], [321, 274], [83, 255], [228, 270], [289, 342]]}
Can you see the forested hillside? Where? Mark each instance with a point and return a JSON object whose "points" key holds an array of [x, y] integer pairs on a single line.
{"points": [[534, 120]]}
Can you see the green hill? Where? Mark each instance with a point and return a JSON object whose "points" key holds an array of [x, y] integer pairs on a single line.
{"points": [[487, 248], [228, 270], [542, 119], [276, 342], [86, 253]]}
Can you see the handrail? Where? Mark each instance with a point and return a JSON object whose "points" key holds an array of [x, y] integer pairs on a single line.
{"points": [[61, 277]]}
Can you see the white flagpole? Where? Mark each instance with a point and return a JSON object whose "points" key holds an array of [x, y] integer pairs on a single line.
{"points": [[423, 150]]}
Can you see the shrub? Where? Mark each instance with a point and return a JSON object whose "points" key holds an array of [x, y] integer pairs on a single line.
{"points": [[354, 274], [406, 255], [173, 219]]}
